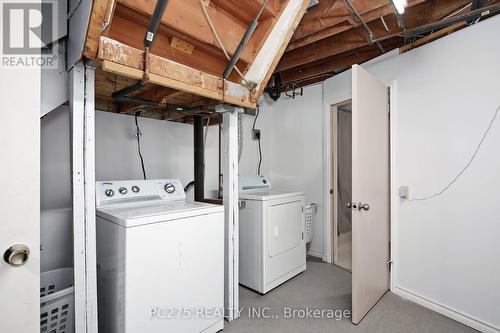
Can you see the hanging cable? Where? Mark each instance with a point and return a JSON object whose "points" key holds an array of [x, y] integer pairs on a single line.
{"points": [[258, 138], [206, 131], [138, 136], [467, 165], [216, 35]]}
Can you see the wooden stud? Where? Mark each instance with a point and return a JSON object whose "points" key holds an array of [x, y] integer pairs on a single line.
{"points": [[269, 55], [97, 18], [230, 172], [83, 187], [329, 19], [340, 43], [342, 61], [127, 61]]}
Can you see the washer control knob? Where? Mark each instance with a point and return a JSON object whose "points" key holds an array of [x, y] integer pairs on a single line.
{"points": [[136, 189], [109, 192], [122, 190], [169, 188]]}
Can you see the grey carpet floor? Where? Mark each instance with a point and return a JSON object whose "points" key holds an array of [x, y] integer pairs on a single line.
{"points": [[324, 286]]}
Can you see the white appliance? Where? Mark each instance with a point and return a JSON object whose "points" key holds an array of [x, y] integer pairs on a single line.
{"points": [[271, 228], [160, 259]]}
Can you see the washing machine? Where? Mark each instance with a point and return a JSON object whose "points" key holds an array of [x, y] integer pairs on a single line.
{"points": [[271, 233], [160, 259]]}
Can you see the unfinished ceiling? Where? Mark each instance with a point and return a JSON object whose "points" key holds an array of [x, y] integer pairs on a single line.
{"points": [[186, 71], [335, 34], [193, 58]]}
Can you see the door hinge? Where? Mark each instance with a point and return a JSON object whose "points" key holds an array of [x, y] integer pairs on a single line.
{"points": [[389, 264]]}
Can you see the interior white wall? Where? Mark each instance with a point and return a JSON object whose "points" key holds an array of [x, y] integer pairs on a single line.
{"points": [[447, 92], [167, 148], [294, 150]]}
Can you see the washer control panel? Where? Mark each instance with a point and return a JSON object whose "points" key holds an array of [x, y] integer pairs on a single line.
{"points": [[126, 191]]}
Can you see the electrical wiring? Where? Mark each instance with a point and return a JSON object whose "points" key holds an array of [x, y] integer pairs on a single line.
{"points": [[260, 148], [467, 165], [219, 41], [206, 131], [138, 136]]}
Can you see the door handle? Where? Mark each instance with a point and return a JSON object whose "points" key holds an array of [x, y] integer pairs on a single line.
{"points": [[17, 255], [358, 205], [242, 203], [363, 206]]}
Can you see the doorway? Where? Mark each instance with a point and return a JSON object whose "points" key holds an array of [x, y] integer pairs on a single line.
{"points": [[341, 129]]}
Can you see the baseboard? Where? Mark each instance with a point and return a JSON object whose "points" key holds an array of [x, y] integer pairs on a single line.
{"points": [[316, 254], [447, 311]]}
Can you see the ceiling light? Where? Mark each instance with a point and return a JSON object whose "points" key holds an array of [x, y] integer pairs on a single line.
{"points": [[400, 5]]}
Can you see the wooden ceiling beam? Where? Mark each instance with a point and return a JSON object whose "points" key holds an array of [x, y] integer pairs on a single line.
{"points": [[337, 44], [187, 17], [128, 27], [433, 36], [128, 61], [431, 11], [273, 48], [323, 67], [421, 13], [97, 17], [340, 20], [245, 11]]}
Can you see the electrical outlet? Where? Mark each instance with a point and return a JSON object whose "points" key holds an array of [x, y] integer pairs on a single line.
{"points": [[256, 134], [404, 192]]}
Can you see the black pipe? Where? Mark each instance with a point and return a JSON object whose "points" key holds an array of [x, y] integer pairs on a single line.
{"points": [[472, 15], [154, 22], [127, 90], [199, 160], [188, 186], [241, 46], [243, 42], [137, 101]]}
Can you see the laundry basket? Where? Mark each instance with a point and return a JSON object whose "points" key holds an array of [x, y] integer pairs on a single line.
{"points": [[310, 211], [57, 301]]}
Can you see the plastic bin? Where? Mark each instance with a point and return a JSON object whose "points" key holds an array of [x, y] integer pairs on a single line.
{"points": [[57, 301], [310, 211]]}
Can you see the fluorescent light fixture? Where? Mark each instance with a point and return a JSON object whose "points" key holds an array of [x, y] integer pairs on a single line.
{"points": [[400, 5]]}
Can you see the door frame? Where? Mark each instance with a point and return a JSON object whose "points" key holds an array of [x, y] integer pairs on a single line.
{"points": [[328, 249], [333, 178]]}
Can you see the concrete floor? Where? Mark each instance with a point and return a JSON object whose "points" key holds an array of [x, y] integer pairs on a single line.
{"points": [[324, 286]]}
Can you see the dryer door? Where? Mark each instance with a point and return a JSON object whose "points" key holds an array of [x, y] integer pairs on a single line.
{"points": [[285, 227]]}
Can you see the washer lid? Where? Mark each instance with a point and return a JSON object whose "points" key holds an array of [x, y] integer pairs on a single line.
{"points": [[130, 215], [268, 195]]}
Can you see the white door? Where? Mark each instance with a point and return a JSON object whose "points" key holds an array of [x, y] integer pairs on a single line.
{"points": [[370, 192], [20, 200]]}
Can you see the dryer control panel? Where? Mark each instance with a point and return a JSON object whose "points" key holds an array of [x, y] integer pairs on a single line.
{"points": [[127, 191]]}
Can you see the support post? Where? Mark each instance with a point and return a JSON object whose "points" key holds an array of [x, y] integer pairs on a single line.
{"points": [[82, 122], [231, 211], [199, 160]]}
